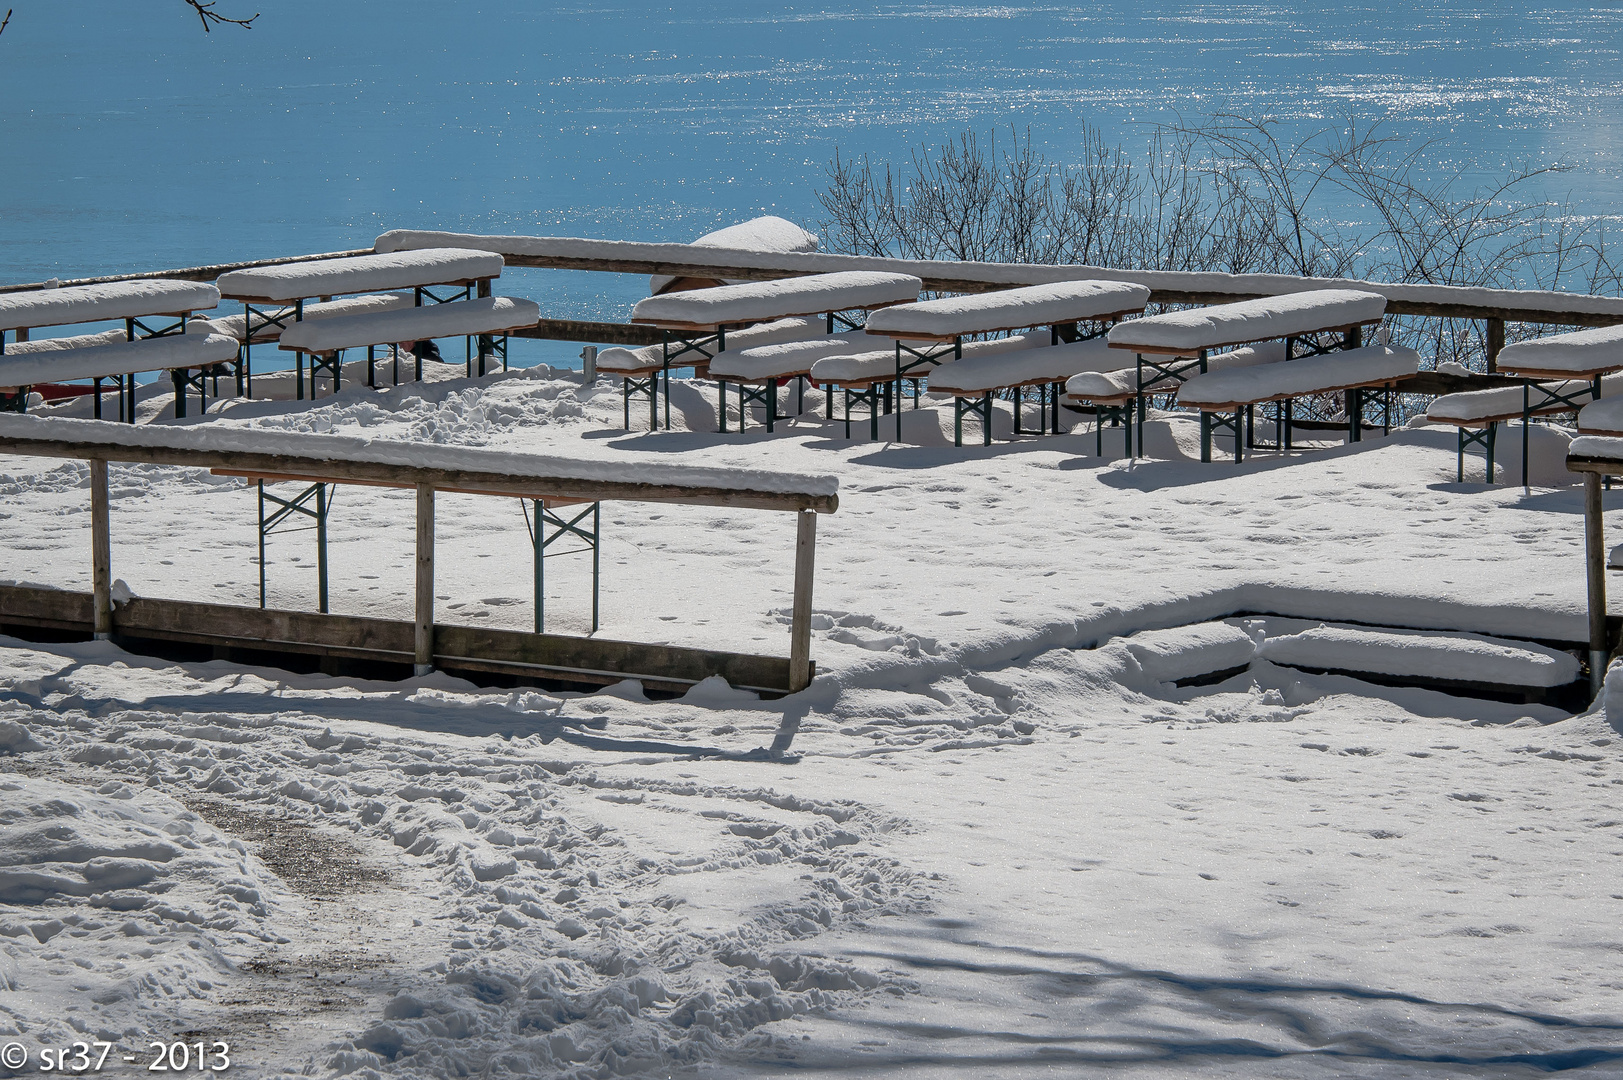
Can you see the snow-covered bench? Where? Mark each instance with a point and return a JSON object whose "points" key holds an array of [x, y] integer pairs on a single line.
{"points": [[869, 378], [695, 323], [1176, 345], [121, 360], [639, 369], [1604, 417], [485, 317], [270, 328], [973, 381], [1112, 392], [758, 371], [280, 295], [1355, 370], [134, 303], [932, 331], [1477, 414], [1581, 357]]}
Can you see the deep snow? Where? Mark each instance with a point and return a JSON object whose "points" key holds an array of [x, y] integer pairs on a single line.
{"points": [[992, 838]]}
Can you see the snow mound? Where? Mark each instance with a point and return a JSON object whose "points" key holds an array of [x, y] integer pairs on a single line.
{"points": [[1431, 654]]}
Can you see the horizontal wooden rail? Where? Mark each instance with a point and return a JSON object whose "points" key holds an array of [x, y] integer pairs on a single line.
{"points": [[464, 480], [554, 657], [1166, 286]]}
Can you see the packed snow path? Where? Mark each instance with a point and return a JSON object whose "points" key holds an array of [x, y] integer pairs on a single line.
{"points": [[1002, 850]]}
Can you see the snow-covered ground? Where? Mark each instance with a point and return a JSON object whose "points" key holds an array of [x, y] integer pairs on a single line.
{"points": [[992, 838]]}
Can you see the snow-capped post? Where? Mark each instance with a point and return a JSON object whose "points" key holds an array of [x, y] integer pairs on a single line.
{"points": [[101, 551], [425, 581], [1595, 556], [800, 618]]}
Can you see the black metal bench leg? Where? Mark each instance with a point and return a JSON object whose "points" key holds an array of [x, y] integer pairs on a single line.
{"points": [[986, 418]]}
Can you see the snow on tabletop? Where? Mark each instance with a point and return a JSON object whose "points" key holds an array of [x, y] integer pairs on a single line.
{"points": [[1597, 349], [460, 318], [1185, 652], [769, 234], [1601, 447], [756, 301], [783, 358], [567, 247], [235, 325], [1427, 654], [113, 300], [1603, 417], [1113, 383], [1007, 309], [75, 341], [1250, 320], [1504, 402], [1305, 376], [360, 274], [224, 436], [648, 357], [1055, 363], [880, 363], [117, 358]]}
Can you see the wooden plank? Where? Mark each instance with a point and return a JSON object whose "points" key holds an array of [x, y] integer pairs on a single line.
{"points": [[58, 609], [800, 619], [512, 652], [1595, 558], [509, 650], [101, 552], [632, 335], [424, 630], [336, 471]]}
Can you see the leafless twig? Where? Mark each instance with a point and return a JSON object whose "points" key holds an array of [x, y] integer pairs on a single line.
{"points": [[205, 12], [5, 21]]}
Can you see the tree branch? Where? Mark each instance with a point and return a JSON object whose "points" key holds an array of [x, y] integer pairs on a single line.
{"points": [[205, 13], [5, 21]]}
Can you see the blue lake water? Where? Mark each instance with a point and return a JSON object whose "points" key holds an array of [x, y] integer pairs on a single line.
{"points": [[131, 140]]}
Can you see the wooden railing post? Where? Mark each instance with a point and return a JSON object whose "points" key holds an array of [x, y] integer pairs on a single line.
{"points": [[800, 620], [424, 659], [1496, 342], [101, 551], [1595, 554]]}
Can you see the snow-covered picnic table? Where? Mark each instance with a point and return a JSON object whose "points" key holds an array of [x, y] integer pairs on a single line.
{"points": [[1477, 414], [928, 332], [94, 357], [695, 323], [483, 317], [1578, 360], [1175, 348], [280, 296], [973, 380], [869, 377]]}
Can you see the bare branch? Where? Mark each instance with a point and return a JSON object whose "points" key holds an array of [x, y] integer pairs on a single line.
{"points": [[209, 18], [5, 21]]}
